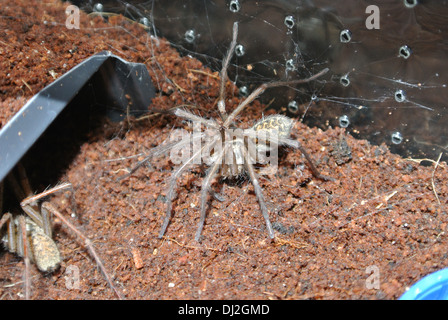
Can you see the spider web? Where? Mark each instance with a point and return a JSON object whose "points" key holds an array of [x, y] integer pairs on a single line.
{"points": [[387, 85]]}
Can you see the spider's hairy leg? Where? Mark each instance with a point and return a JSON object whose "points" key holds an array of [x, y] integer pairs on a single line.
{"points": [[19, 191], [173, 182], [8, 219], [88, 243], [313, 168], [15, 186], [265, 86], [42, 219], [296, 144], [258, 191], [22, 190], [278, 140], [154, 152], [26, 255], [7, 216], [19, 244], [24, 181], [206, 183], [223, 75], [1, 196], [210, 123]]}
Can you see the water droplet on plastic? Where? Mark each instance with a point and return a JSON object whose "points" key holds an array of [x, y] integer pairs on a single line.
{"points": [[345, 36], [410, 3], [98, 7], [405, 52], [290, 65], [290, 21], [344, 121], [293, 107], [396, 137], [190, 36], [239, 50], [144, 21], [344, 80], [234, 6], [244, 92], [400, 96]]}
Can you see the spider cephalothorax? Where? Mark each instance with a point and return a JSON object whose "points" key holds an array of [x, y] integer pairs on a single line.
{"points": [[227, 150], [260, 141]]}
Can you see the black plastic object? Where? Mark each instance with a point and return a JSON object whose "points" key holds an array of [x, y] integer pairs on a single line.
{"points": [[118, 86], [387, 82]]}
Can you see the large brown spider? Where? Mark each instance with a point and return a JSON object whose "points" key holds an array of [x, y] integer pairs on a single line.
{"points": [[226, 149], [30, 235]]}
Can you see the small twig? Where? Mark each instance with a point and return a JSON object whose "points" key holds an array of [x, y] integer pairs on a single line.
{"points": [[178, 86], [124, 158], [419, 161], [27, 85], [432, 178], [386, 198], [204, 73], [294, 244], [11, 285], [156, 111], [112, 14], [188, 246]]}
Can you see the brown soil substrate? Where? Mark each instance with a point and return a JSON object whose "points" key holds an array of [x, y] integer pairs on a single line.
{"points": [[382, 212]]}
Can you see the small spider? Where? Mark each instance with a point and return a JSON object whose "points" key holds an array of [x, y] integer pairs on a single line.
{"points": [[30, 235], [228, 150]]}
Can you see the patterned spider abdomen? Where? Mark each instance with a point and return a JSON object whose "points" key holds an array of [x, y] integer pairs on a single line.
{"points": [[280, 123], [42, 250], [45, 253]]}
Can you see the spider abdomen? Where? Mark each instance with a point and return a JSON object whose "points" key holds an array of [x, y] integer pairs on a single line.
{"points": [[42, 249], [276, 122]]}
